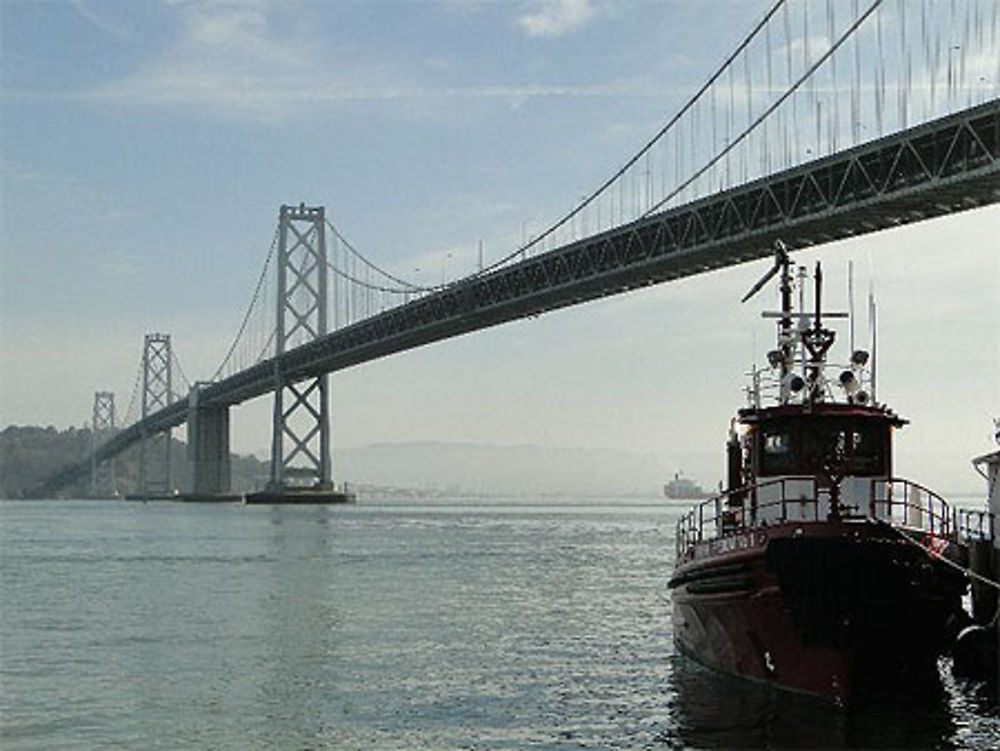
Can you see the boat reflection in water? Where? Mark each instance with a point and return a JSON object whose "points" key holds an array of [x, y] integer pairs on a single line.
{"points": [[714, 710]]}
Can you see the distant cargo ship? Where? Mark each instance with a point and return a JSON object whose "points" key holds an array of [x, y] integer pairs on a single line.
{"points": [[681, 488]]}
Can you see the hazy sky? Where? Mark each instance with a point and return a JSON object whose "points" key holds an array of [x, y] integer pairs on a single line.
{"points": [[146, 147]]}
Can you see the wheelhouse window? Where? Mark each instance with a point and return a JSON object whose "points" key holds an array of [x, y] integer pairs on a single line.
{"points": [[777, 451], [846, 447], [838, 445]]}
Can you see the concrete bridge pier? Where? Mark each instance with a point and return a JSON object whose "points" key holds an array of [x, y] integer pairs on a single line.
{"points": [[208, 449]]}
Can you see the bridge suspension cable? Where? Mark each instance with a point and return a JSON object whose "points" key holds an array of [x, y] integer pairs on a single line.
{"points": [[261, 281], [846, 81], [180, 371], [766, 113], [408, 287], [361, 287], [130, 413], [376, 287], [405, 286], [268, 343], [596, 193]]}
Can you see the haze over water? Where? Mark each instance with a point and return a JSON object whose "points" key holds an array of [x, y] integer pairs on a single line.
{"points": [[447, 626]]}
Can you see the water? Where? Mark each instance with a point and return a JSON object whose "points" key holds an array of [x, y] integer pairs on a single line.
{"points": [[381, 626]]}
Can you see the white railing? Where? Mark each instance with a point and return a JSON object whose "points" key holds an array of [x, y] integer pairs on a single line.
{"points": [[799, 499]]}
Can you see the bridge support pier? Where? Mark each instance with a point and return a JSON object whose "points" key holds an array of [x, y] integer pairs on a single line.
{"points": [[208, 448]]}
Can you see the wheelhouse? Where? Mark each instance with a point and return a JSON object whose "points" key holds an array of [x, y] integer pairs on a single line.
{"points": [[827, 440]]}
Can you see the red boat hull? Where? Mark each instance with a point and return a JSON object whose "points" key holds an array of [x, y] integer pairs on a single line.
{"points": [[818, 608]]}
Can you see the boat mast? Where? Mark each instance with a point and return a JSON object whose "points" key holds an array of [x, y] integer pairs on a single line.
{"points": [[873, 322], [782, 357], [785, 338], [817, 341], [850, 299]]}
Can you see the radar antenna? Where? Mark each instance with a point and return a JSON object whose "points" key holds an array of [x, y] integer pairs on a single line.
{"points": [[783, 264]]}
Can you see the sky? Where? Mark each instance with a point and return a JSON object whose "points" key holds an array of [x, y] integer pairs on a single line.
{"points": [[147, 146]]}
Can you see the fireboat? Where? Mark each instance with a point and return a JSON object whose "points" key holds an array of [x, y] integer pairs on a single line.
{"points": [[817, 570]]}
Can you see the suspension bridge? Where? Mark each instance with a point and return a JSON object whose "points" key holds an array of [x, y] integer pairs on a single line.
{"points": [[831, 119]]}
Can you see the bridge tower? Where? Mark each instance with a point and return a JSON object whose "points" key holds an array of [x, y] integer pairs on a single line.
{"points": [[300, 437], [155, 475], [102, 426]]}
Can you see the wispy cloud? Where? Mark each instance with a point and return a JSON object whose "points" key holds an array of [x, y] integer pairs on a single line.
{"points": [[556, 17], [114, 28], [28, 184], [122, 264], [227, 56], [253, 60], [269, 98], [240, 33]]}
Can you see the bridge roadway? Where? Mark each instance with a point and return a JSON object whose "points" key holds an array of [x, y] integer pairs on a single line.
{"points": [[943, 166]]}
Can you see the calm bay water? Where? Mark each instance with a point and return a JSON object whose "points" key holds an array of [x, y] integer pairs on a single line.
{"points": [[384, 626]]}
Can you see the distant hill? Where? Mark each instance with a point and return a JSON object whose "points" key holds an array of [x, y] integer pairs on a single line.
{"points": [[500, 470], [29, 455]]}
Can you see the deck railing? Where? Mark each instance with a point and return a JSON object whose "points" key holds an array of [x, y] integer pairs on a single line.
{"points": [[740, 509], [974, 525], [909, 504], [896, 501]]}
